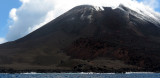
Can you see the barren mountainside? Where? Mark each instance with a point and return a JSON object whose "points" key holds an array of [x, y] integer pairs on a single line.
{"points": [[88, 38]]}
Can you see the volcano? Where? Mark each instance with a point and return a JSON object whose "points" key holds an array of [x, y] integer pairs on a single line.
{"points": [[88, 39]]}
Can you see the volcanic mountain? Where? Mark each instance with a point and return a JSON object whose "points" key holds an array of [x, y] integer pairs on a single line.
{"points": [[88, 38]]}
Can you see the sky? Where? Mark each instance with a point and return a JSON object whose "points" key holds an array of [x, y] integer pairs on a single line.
{"points": [[20, 17], [5, 7]]}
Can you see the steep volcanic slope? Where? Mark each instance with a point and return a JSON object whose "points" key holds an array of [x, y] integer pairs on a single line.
{"points": [[88, 38]]}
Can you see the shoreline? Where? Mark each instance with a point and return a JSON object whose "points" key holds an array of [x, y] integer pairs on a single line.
{"points": [[85, 73], [32, 72]]}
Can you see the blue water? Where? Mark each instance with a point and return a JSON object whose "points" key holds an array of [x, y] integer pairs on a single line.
{"points": [[79, 75]]}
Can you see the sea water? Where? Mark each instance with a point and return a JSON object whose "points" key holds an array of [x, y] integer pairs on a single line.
{"points": [[81, 75]]}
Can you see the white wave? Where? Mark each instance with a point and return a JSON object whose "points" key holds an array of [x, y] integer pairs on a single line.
{"points": [[139, 72]]}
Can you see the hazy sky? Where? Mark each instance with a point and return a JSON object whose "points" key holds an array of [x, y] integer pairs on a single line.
{"points": [[20, 17]]}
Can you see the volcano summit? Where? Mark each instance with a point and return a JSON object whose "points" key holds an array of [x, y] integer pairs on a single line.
{"points": [[90, 39]]}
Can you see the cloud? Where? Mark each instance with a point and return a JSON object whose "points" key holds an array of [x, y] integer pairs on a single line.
{"points": [[28, 17], [24, 1], [152, 3], [2, 40], [13, 14], [33, 14]]}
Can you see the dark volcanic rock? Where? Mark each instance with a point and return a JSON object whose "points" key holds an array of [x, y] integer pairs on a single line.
{"points": [[87, 39]]}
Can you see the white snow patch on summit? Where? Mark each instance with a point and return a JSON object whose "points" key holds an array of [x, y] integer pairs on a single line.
{"points": [[99, 8], [90, 18], [82, 17]]}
